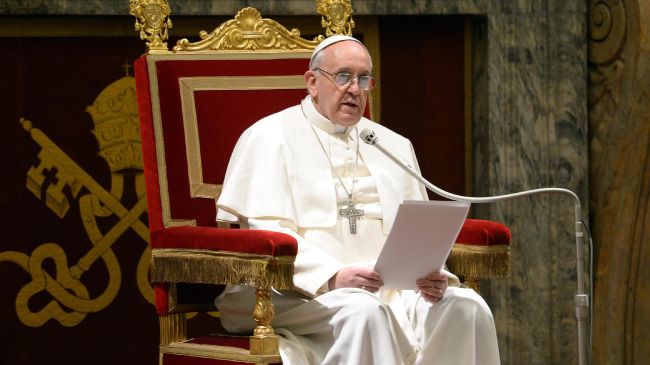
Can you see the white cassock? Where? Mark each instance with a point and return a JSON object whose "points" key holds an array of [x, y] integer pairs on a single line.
{"points": [[289, 172]]}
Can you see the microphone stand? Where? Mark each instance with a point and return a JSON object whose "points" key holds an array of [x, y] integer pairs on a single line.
{"points": [[581, 297]]}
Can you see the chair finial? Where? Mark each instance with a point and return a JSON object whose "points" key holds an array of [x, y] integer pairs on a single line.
{"points": [[152, 21], [336, 16], [248, 31]]}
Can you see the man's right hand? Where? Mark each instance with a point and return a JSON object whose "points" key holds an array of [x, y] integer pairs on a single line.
{"points": [[356, 277]]}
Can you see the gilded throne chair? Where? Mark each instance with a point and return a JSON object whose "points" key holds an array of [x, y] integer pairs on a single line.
{"points": [[194, 102]]}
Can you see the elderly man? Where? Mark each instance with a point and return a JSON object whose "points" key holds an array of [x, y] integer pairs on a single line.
{"points": [[298, 172]]}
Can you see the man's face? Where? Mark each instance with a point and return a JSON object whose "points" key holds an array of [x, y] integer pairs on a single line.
{"points": [[343, 105]]}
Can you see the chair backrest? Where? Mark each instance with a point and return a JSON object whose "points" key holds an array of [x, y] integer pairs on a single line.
{"points": [[198, 99]]}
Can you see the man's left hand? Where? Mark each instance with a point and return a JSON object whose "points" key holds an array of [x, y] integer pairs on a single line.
{"points": [[433, 286]]}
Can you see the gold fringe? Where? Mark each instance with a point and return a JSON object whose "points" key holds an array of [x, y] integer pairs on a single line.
{"points": [[173, 328], [479, 262], [218, 267]]}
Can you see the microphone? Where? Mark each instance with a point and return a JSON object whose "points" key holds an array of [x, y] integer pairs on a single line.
{"points": [[370, 137], [581, 298]]}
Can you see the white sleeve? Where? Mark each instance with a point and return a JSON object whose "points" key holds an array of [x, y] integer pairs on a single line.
{"points": [[313, 267]]}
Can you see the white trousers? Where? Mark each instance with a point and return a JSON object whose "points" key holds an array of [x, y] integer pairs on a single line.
{"points": [[353, 326]]}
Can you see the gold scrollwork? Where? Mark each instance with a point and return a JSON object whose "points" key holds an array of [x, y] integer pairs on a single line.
{"points": [[248, 31], [152, 21], [336, 16]]}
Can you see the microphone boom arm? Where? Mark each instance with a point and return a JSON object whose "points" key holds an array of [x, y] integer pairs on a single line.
{"points": [[581, 297]]}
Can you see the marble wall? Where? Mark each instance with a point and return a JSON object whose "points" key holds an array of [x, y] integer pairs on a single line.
{"points": [[530, 126], [297, 7]]}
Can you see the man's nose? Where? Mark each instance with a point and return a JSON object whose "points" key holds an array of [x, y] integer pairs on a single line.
{"points": [[354, 88]]}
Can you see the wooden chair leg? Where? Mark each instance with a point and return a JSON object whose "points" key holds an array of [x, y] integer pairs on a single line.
{"points": [[264, 340]]}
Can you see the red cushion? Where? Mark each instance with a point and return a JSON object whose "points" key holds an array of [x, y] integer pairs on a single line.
{"points": [[220, 239], [484, 233]]}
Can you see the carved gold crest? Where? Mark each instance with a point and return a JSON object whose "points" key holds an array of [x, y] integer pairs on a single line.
{"points": [[336, 16], [152, 21]]}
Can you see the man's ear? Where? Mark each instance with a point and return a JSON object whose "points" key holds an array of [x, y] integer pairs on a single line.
{"points": [[310, 80]]}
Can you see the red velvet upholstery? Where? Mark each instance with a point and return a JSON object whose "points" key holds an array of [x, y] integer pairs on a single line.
{"points": [[220, 239], [484, 233], [221, 115], [148, 143]]}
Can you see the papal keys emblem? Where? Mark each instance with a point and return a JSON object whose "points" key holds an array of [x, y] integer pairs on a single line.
{"points": [[116, 128]]}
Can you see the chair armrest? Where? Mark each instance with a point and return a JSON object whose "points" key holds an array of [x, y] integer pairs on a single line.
{"points": [[210, 255], [482, 250], [481, 232], [223, 239], [223, 256]]}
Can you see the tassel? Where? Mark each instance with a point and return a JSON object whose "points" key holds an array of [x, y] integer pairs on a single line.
{"points": [[479, 262], [215, 267]]}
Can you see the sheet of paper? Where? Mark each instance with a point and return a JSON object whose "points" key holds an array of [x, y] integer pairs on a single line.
{"points": [[419, 241]]}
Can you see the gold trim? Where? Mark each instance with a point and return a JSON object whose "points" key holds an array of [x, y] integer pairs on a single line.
{"points": [[180, 223], [199, 190], [191, 84], [221, 267], [248, 31], [471, 248], [188, 86], [158, 139], [172, 298], [218, 352], [479, 262], [173, 328], [265, 344]]}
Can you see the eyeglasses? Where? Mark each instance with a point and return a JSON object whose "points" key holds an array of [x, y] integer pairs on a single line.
{"points": [[344, 79]]}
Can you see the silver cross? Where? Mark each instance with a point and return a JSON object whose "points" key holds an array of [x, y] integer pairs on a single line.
{"points": [[352, 214]]}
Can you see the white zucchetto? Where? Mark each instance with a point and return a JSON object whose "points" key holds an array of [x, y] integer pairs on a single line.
{"points": [[329, 41]]}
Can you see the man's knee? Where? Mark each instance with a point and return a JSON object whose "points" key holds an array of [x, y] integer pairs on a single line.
{"points": [[364, 308], [467, 301]]}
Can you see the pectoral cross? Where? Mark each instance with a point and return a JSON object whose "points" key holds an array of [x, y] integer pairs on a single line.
{"points": [[352, 214]]}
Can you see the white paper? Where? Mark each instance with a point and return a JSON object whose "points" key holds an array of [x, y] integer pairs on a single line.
{"points": [[419, 241]]}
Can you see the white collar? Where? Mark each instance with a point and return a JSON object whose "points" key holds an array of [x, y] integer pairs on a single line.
{"points": [[318, 120]]}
